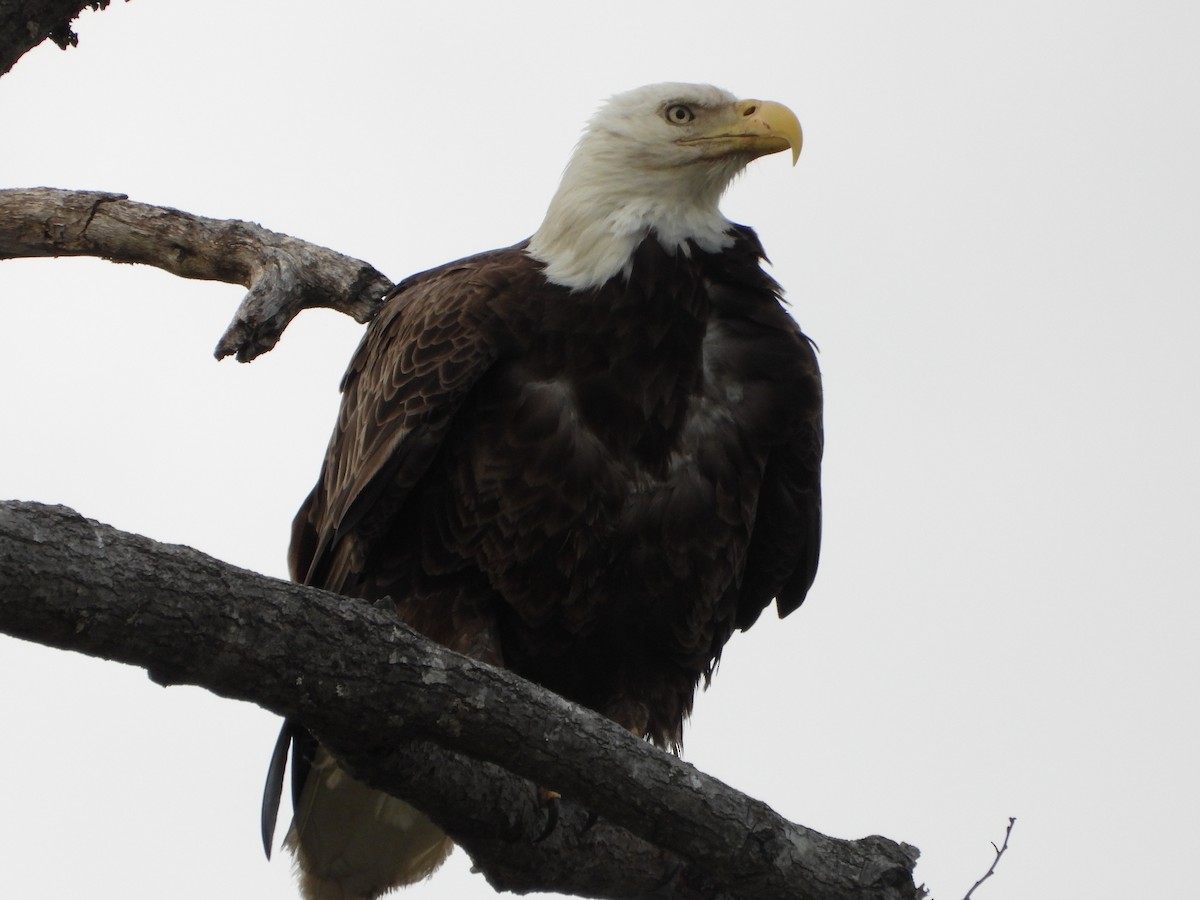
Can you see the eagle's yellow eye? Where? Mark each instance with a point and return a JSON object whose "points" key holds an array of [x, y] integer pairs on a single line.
{"points": [[678, 114]]}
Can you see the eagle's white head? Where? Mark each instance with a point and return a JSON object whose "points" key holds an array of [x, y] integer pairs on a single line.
{"points": [[655, 159]]}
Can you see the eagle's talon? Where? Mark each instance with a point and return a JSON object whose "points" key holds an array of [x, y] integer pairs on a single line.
{"points": [[552, 800]]}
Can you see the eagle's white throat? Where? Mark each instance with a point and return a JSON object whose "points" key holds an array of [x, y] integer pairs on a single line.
{"points": [[629, 177]]}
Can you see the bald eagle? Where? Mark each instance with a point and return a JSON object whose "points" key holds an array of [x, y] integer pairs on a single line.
{"points": [[588, 457]]}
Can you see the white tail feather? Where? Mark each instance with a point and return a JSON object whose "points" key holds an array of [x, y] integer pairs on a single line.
{"points": [[352, 842]]}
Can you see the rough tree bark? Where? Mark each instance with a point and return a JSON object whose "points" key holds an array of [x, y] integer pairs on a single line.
{"points": [[413, 718]]}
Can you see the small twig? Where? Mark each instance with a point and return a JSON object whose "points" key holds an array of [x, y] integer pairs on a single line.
{"points": [[999, 853]]}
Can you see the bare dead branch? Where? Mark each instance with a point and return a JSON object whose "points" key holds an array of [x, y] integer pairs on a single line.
{"points": [[999, 853], [363, 682], [284, 274]]}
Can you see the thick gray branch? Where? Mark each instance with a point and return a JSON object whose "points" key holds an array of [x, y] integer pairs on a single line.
{"points": [[284, 274], [363, 682]]}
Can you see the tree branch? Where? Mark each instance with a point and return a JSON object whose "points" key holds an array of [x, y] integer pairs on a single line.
{"points": [[366, 684], [284, 274], [999, 853]]}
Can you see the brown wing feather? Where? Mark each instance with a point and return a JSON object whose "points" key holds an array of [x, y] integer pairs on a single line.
{"points": [[424, 351]]}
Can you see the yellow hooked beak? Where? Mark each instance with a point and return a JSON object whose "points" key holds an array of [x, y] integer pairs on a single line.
{"points": [[758, 127]]}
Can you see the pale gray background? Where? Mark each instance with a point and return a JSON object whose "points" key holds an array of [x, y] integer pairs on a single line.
{"points": [[992, 234]]}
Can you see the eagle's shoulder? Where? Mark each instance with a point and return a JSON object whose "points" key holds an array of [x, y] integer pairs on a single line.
{"points": [[442, 310]]}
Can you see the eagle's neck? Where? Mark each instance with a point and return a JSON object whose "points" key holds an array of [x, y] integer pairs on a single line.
{"points": [[605, 207]]}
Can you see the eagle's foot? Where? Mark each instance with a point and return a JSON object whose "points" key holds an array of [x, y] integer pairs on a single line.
{"points": [[630, 714], [552, 801]]}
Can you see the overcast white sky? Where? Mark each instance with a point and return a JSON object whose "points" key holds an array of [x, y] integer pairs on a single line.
{"points": [[992, 234]]}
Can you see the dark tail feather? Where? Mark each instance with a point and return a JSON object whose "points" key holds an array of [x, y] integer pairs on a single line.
{"points": [[273, 789]]}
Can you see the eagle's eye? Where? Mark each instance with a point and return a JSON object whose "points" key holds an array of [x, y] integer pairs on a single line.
{"points": [[678, 114]]}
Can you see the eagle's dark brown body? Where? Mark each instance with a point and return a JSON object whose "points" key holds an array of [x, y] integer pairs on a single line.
{"points": [[592, 488]]}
